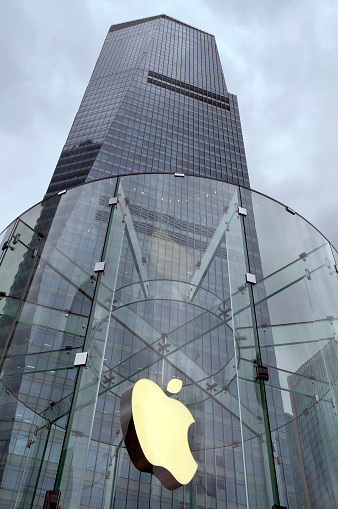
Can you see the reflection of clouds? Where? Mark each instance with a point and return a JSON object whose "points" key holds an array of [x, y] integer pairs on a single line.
{"points": [[170, 259], [282, 237], [293, 306]]}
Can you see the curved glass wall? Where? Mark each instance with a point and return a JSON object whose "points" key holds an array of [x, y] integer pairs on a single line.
{"points": [[219, 286]]}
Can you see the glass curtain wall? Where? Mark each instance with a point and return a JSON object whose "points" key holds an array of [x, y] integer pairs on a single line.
{"points": [[205, 281]]}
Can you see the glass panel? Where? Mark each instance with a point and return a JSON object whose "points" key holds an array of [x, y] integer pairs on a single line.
{"points": [[31, 468], [24, 438], [181, 308], [280, 237], [296, 311], [18, 261], [76, 447], [32, 215], [40, 362], [255, 432], [306, 453], [4, 236]]}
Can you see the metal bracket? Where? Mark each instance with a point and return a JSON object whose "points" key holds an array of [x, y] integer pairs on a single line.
{"points": [[52, 499], [81, 359], [164, 347], [250, 278], [16, 238], [7, 245], [262, 373], [113, 201], [99, 267], [307, 274], [210, 386], [242, 211], [30, 443]]}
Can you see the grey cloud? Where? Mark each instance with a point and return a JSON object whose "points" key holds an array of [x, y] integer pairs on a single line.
{"points": [[278, 57]]}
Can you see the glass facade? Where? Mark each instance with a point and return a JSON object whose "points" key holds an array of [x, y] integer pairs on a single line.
{"points": [[204, 280], [173, 301], [156, 102]]}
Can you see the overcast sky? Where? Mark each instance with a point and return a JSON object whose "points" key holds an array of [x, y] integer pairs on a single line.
{"points": [[279, 57]]}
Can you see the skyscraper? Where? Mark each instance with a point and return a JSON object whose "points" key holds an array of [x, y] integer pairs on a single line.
{"points": [[156, 101], [152, 257]]}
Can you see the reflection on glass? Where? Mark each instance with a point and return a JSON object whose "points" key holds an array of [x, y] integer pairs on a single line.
{"points": [[173, 303]]}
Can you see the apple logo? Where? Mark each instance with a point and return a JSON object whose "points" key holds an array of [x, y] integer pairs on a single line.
{"points": [[155, 431]]}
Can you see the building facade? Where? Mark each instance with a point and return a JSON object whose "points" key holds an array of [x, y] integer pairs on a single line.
{"points": [[151, 254], [156, 101], [316, 442]]}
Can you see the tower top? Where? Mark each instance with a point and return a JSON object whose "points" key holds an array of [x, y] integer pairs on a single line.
{"points": [[127, 24]]}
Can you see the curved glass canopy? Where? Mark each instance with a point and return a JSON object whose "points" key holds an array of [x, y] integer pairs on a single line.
{"points": [[217, 285]]}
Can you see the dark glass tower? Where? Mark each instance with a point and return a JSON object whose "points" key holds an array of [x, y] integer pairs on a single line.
{"points": [[156, 102]]}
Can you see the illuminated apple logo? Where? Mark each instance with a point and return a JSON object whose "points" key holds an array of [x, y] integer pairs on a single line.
{"points": [[155, 430]]}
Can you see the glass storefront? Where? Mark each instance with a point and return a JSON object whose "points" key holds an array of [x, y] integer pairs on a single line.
{"points": [[214, 284]]}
